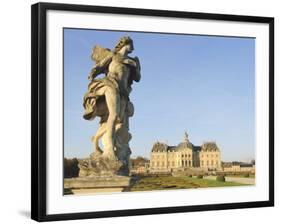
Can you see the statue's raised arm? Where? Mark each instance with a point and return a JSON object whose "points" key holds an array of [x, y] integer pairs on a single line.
{"points": [[102, 58]]}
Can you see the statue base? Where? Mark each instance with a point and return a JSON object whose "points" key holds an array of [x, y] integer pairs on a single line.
{"points": [[99, 174], [96, 185], [98, 166]]}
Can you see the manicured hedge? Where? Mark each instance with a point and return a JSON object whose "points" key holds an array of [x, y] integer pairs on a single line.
{"points": [[220, 178]]}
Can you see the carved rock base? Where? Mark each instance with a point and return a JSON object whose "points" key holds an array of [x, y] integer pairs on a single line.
{"points": [[98, 166]]}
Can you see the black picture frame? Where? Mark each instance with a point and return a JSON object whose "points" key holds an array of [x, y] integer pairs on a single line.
{"points": [[39, 108]]}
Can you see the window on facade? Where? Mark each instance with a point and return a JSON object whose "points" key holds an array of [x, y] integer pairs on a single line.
{"points": [[152, 163], [207, 163], [202, 163], [173, 164], [212, 163], [163, 164], [157, 164]]}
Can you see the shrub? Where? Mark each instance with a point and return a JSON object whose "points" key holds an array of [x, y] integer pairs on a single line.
{"points": [[220, 178], [190, 175], [200, 177], [71, 168], [246, 175]]}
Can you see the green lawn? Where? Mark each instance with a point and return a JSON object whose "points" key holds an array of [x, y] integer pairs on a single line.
{"points": [[170, 182], [241, 176]]}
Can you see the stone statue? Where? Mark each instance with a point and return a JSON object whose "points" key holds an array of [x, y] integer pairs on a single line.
{"points": [[108, 98]]}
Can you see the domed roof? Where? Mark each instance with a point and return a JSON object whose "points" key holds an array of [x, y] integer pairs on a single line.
{"points": [[186, 143]]}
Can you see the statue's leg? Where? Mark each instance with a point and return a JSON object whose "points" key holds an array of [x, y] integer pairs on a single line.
{"points": [[122, 136], [95, 138], [122, 144], [122, 113], [113, 100]]}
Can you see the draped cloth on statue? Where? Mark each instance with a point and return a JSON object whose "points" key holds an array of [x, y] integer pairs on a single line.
{"points": [[95, 104]]}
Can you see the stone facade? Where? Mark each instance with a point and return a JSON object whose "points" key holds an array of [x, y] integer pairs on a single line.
{"points": [[239, 168], [210, 156], [142, 169], [185, 155]]}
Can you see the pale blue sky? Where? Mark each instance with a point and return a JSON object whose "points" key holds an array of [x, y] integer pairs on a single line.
{"points": [[200, 84]]}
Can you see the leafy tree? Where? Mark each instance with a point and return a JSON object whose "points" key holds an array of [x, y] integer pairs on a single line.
{"points": [[253, 161], [71, 168]]}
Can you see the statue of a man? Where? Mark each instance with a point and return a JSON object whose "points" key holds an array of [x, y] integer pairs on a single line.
{"points": [[108, 97]]}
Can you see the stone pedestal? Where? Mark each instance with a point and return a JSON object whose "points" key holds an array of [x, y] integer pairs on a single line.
{"points": [[98, 166], [95, 185], [99, 174]]}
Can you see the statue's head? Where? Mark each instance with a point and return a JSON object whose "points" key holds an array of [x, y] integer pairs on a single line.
{"points": [[125, 41]]}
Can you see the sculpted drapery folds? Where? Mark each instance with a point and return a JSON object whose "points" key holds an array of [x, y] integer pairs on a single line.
{"points": [[108, 98]]}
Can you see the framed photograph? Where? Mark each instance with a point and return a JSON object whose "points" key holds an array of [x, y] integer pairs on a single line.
{"points": [[141, 111]]}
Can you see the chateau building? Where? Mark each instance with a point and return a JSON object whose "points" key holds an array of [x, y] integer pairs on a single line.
{"points": [[238, 167], [185, 155]]}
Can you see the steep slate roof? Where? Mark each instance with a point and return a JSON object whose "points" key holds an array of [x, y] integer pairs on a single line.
{"points": [[172, 148], [210, 146], [196, 148], [207, 146], [162, 147], [159, 147]]}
